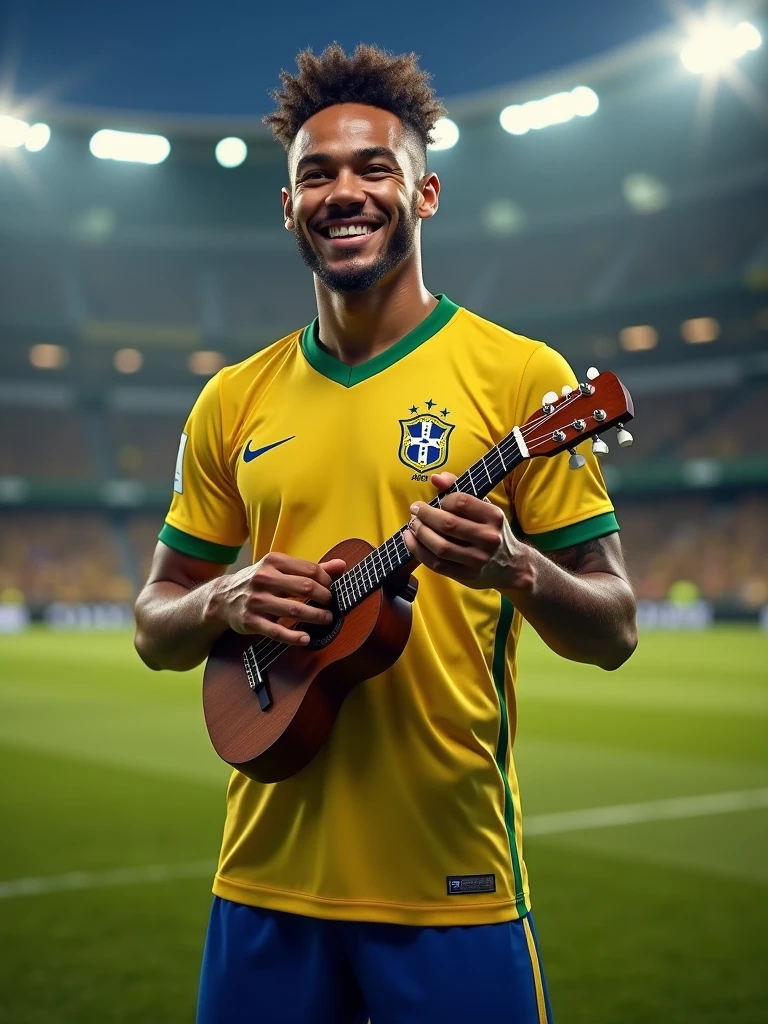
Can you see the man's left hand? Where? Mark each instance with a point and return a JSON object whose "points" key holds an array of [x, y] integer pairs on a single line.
{"points": [[468, 540]]}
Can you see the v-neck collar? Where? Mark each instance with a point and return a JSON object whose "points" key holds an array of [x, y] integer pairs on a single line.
{"points": [[347, 376]]}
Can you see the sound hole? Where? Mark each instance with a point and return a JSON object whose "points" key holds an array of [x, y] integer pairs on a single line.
{"points": [[320, 635]]}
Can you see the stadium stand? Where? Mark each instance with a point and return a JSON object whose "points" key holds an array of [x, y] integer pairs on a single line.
{"points": [[189, 257]]}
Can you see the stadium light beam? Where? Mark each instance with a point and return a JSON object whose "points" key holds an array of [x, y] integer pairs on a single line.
{"points": [[446, 134], [713, 45], [231, 152], [133, 147], [520, 118]]}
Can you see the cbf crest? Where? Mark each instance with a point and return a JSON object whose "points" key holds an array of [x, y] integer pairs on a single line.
{"points": [[424, 439]]}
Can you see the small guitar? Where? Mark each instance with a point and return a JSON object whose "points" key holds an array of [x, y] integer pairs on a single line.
{"points": [[269, 707]]}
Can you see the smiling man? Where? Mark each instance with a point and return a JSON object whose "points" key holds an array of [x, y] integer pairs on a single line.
{"points": [[386, 879]]}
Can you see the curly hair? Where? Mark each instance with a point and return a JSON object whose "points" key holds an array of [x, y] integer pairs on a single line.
{"points": [[371, 76]]}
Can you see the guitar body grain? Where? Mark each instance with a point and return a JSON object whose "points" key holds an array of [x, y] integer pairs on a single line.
{"points": [[307, 685]]}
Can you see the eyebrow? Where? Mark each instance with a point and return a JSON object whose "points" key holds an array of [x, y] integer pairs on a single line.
{"points": [[357, 154]]}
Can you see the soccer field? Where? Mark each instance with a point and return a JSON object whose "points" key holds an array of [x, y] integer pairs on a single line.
{"points": [[652, 909]]}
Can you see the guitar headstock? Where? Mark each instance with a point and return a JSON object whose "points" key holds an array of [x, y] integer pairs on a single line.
{"points": [[588, 410]]}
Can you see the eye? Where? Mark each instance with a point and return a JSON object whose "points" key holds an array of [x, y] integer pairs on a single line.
{"points": [[310, 174], [376, 169]]}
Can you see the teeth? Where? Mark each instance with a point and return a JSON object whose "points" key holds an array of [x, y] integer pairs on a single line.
{"points": [[352, 229]]}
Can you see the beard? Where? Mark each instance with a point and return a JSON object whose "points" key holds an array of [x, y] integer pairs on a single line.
{"points": [[362, 279]]}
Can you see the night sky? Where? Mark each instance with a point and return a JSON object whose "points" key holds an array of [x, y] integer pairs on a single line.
{"points": [[204, 57]]}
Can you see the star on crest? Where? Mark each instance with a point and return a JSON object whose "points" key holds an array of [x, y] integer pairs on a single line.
{"points": [[444, 412], [430, 403], [414, 408]]}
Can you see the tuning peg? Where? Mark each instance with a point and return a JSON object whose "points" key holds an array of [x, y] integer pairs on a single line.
{"points": [[566, 390], [549, 399], [576, 460], [599, 447], [623, 436], [592, 372]]}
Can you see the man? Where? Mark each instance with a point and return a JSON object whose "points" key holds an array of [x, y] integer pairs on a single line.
{"points": [[386, 879]]}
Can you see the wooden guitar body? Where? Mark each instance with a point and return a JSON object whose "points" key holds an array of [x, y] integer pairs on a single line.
{"points": [[305, 687]]}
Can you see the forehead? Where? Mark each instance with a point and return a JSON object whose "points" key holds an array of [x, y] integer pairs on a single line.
{"points": [[345, 127]]}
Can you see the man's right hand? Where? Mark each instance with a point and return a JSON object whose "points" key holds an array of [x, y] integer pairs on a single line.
{"points": [[276, 587]]}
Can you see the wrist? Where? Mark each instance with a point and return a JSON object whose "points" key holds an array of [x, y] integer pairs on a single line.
{"points": [[213, 603], [522, 573]]}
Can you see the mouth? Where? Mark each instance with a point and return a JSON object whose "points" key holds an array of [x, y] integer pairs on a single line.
{"points": [[348, 236]]}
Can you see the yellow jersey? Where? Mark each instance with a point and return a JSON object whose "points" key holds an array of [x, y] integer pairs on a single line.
{"points": [[410, 813]]}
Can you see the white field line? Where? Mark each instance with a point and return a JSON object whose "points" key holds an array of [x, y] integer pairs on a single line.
{"points": [[555, 824]]}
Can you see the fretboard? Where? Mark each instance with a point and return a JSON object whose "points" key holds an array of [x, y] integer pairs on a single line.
{"points": [[385, 560]]}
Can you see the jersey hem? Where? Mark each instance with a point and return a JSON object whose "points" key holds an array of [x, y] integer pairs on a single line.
{"points": [[576, 533], [196, 547], [371, 911]]}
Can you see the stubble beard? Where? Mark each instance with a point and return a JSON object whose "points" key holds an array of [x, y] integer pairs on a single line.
{"points": [[362, 279]]}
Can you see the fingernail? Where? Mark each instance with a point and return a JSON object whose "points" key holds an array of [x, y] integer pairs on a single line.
{"points": [[414, 508], [329, 617], [304, 639]]}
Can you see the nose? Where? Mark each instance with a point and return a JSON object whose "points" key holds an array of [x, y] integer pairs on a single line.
{"points": [[347, 190]]}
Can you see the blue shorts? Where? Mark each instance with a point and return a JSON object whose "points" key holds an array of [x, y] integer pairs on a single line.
{"points": [[268, 967]]}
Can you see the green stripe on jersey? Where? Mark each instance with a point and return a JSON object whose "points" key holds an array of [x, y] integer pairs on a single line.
{"points": [[186, 544], [506, 614]]}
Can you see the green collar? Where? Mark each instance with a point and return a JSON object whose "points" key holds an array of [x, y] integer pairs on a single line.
{"points": [[334, 369]]}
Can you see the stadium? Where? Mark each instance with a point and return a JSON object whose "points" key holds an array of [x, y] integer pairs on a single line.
{"points": [[622, 217]]}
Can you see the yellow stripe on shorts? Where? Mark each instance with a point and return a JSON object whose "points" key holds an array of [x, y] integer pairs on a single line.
{"points": [[538, 984]]}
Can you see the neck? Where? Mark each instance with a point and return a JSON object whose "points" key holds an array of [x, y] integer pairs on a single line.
{"points": [[354, 327]]}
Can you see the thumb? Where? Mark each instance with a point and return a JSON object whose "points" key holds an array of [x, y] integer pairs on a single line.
{"points": [[442, 481], [334, 567]]}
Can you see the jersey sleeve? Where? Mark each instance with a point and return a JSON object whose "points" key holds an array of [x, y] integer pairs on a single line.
{"points": [[555, 506], [206, 518]]}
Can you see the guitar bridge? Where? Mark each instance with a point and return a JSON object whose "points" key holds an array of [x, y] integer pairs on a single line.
{"points": [[256, 680]]}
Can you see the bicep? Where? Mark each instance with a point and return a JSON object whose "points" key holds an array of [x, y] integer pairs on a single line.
{"points": [[171, 566], [603, 554]]}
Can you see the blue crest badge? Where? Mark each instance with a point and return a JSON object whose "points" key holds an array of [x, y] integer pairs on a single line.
{"points": [[424, 441]]}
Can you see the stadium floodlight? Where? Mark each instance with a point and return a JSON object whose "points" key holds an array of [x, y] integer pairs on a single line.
{"points": [[700, 329], [638, 339], [645, 193], [445, 134], [519, 118], [133, 147], [38, 137], [48, 357], [205, 362], [713, 46], [13, 131], [231, 152]]}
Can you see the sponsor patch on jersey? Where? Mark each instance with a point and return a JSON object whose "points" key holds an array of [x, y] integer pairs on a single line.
{"points": [[462, 885], [424, 441], [178, 477]]}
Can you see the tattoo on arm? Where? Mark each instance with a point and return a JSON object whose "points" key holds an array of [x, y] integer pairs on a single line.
{"points": [[603, 554]]}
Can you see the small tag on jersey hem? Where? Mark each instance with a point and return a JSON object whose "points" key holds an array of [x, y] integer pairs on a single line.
{"points": [[463, 885]]}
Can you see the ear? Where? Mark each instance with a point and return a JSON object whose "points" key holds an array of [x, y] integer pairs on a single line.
{"points": [[429, 196], [285, 195]]}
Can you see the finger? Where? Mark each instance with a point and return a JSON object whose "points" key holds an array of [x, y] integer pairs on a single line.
{"points": [[480, 534], [447, 550], [443, 481], [334, 567], [290, 566], [426, 557], [286, 608], [296, 586], [260, 626], [469, 507]]}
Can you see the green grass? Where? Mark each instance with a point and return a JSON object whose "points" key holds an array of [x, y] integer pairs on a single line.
{"points": [[106, 765]]}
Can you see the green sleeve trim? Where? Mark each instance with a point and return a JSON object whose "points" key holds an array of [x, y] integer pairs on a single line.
{"points": [[186, 544], [576, 533]]}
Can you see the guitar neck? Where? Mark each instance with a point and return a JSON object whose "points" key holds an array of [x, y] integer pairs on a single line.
{"points": [[388, 558]]}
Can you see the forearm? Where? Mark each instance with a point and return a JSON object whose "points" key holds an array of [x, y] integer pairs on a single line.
{"points": [[174, 626], [588, 617]]}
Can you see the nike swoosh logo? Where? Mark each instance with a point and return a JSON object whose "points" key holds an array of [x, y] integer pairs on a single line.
{"points": [[249, 455]]}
